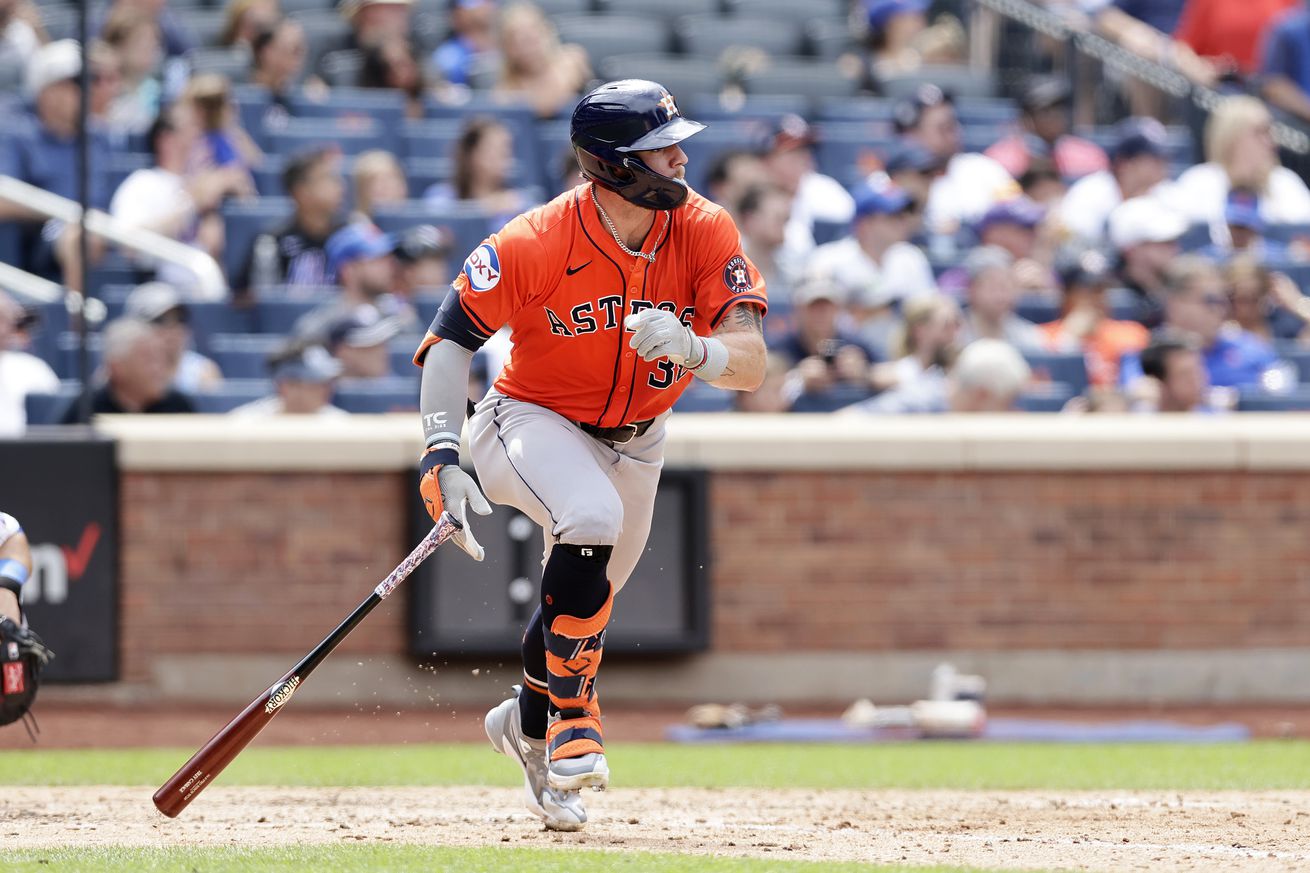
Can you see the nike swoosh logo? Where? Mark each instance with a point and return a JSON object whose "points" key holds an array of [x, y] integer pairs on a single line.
{"points": [[571, 270]]}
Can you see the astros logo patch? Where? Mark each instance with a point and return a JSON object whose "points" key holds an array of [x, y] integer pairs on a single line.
{"points": [[736, 276], [483, 268], [670, 108]]}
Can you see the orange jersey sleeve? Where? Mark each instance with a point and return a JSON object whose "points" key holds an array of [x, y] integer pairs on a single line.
{"points": [[494, 283], [724, 277]]}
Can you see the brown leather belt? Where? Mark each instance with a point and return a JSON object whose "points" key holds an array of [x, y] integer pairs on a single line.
{"points": [[619, 435]]}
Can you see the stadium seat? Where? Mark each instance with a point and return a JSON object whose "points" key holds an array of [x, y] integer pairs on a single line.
{"points": [[276, 312], [1286, 233], [565, 7], [207, 319], [205, 26], [1300, 357], [351, 134], [1197, 236], [231, 394], [1050, 397], [665, 9], [341, 67], [814, 79], [850, 150], [960, 81], [468, 224], [67, 361], [830, 401], [234, 62], [50, 408], [985, 110], [700, 397], [392, 394], [325, 31], [1038, 310], [790, 10], [268, 176], [60, 21], [1258, 401], [613, 36], [244, 355], [855, 109], [764, 109], [243, 221], [1060, 368], [292, 8], [709, 36], [435, 140], [828, 39], [119, 165], [350, 105], [684, 77]]}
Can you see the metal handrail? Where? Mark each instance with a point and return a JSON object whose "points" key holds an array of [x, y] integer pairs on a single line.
{"points": [[1161, 76], [210, 282]]}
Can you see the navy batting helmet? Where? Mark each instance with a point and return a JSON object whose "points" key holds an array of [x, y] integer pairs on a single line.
{"points": [[620, 118]]}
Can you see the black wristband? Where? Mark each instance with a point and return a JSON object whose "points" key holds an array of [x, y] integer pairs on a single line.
{"points": [[437, 458]]}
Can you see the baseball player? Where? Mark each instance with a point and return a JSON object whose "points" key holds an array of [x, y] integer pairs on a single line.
{"points": [[617, 293], [22, 654]]}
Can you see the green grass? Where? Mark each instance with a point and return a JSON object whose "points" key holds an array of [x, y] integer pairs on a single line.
{"points": [[1247, 766], [402, 858]]}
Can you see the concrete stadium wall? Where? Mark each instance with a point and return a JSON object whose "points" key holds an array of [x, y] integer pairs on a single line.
{"points": [[1087, 560]]}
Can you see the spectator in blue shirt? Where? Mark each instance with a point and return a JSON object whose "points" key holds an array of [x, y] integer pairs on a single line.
{"points": [[472, 25], [1285, 63], [41, 149], [1197, 306]]}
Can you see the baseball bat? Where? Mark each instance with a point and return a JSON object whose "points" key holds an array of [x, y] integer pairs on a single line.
{"points": [[183, 787]]}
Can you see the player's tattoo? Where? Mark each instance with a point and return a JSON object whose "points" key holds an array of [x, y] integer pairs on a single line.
{"points": [[749, 317]]}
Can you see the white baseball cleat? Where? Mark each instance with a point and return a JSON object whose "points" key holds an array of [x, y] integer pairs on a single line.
{"points": [[573, 774], [561, 810]]}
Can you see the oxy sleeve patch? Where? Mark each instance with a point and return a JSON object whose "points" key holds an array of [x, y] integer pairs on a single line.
{"points": [[482, 268], [736, 275]]}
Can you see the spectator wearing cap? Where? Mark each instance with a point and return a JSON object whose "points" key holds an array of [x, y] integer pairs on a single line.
{"points": [[293, 254], [1240, 154], [535, 66], [992, 295], [890, 30], [174, 198], [762, 216], [789, 163], [912, 168], [823, 352], [378, 180], [21, 373], [471, 46], [1228, 34], [987, 376], [359, 341], [1139, 162], [1085, 325], [41, 149], [137, 377], [1197, 308], [159, 305], [422, 262], [1144, 235], [305, 376], [1011, 225], [875, 266], [1046, 105], [971, 182], [361, 258], [1174, 377]]}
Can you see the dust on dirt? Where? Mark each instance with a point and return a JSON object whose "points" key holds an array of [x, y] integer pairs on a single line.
{"points": [[1101, 830]]}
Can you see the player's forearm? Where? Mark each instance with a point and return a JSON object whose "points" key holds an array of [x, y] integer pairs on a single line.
{"points": [[747, 359], [13, 575], [443, 395]]}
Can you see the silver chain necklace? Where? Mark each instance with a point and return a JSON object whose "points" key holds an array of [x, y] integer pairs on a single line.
{"points": [[614, 231]]}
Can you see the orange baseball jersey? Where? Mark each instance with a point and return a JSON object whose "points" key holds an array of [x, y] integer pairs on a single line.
{"points": [[557, 277]]}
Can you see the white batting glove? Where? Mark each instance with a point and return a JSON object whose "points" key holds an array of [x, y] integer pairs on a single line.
{"points": [[659, 334], [460, 493]]}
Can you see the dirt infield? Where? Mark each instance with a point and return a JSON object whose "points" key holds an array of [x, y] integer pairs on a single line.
{"points": [[1109, 831]]}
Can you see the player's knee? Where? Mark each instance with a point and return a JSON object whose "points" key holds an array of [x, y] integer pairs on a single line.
{"points": [[597, 522]]}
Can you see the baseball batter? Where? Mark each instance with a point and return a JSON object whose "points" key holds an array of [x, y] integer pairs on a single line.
{"points": [[617, 293]]}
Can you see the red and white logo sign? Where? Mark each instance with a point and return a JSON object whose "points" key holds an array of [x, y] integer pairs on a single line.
{"points": [[13, 678]]}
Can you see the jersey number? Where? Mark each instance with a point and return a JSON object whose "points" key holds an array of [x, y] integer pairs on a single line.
{"points": [[668, 373]]}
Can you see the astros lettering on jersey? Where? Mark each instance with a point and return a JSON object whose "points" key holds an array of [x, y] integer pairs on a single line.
{"points": [[556, 276]]}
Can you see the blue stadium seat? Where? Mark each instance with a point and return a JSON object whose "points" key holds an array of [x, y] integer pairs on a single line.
{"points": [[790, 10], [67, 361], [1197, 236], [268, 176], [231, 394], [435, 140], [352, 135], [205, 26], [232, 62], [468, 224], [700, 397], [1298, 355], [243, 355], [958, 80], [665, 9], [709, 36], [829, 39], [52, 320], [610, 36], [50, 408], [119, 165], [763, 109], [1038, 310], [684, 77], [1060, 368], [350, 105], [1257, 401], [274, 314], [856, 109], [1285, 233], [1050, 397], [243, 221], [813, 79], [394, 394], [986, 110], [830, 401], [207, 319], [849, 150]]}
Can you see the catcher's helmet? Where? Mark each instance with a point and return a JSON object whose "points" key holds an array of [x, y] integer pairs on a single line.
{"points": [[620, 118]]}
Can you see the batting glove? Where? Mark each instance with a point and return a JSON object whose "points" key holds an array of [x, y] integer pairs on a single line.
{"points": [[659, 334], [447, 487]]}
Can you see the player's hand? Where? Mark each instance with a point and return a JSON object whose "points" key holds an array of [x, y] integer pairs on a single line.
{"points": [[659, 334], [445, 487]]}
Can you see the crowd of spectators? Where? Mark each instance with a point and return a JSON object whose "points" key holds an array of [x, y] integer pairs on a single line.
{"points": [[944, 273]]}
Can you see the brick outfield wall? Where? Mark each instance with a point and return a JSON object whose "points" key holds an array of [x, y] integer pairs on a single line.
{"points": [[846, 561]]}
